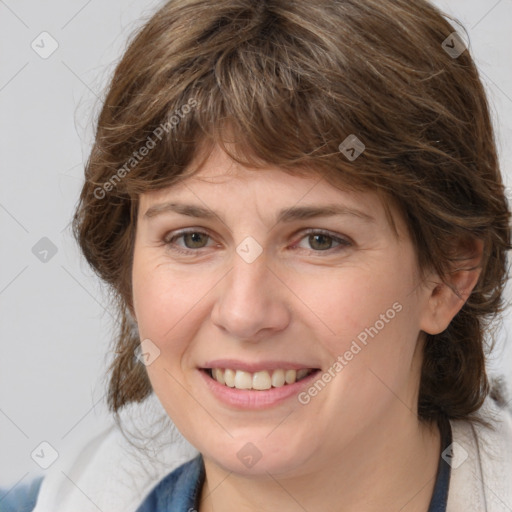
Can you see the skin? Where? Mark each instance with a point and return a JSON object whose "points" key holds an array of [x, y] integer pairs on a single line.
{"points": [[358, 444]]}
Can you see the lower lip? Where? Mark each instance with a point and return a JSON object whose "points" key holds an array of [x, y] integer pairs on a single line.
{"points": [[251, 399]]}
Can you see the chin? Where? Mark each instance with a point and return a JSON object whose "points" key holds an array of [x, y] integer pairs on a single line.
{"points": [[258, 459]]}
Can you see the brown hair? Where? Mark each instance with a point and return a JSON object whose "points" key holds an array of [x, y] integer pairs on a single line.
{"points": [[284, 83]]}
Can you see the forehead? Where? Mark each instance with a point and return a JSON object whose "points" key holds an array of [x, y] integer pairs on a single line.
{"points": [[228, 189], [219, 178]]}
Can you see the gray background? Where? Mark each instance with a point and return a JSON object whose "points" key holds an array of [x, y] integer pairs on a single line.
{"points": [[55, 322]]}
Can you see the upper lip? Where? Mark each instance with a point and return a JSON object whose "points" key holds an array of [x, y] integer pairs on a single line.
{"points": [[251, 367]]}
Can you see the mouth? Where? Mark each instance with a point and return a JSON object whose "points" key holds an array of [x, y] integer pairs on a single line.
{"points": [[262, 380]]}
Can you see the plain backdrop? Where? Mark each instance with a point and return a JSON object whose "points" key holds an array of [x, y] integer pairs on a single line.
{"points": [[55, 320]]}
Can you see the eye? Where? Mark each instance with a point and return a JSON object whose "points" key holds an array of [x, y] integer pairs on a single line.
{"points": [[190, 240], [195, 240], [320, 241]]}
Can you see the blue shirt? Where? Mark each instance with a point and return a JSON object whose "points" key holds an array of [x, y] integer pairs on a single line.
{"points": [[180, 490], [20, 499]]}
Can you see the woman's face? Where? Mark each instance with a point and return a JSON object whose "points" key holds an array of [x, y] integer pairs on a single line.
{"points": [[260, 277]]}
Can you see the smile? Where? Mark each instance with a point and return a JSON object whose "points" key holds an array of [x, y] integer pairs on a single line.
{"points": [[260, 380]]}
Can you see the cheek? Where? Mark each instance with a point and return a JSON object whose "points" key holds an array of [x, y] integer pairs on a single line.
{"points": [[167, 307], [169, 304], [368, 319], [355, 300], [155, 306]]}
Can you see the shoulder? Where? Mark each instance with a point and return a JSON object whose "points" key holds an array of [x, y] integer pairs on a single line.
{"points": [[20, 498], [179, 490], [113, 471], [481, 461]]}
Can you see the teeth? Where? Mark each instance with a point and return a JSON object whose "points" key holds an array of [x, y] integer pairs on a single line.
{"points": [[218, 375], [229, 377], [278, 378], [290, 376], [261, 380], [243, 380], [302, 373]]}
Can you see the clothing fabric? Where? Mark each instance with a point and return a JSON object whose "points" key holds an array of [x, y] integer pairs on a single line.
{"points": [[439, 500], [179, 491], [112, 475], [20, 499]]}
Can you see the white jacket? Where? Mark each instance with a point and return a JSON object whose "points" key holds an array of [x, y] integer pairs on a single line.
{"points": [[112, 475]]}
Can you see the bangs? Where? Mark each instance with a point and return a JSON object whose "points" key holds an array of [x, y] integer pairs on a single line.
{"points": [[269, 92]]}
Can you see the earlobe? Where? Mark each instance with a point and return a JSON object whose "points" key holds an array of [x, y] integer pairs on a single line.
{"points": [[446, 298]]}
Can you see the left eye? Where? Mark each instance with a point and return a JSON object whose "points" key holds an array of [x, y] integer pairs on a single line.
{"points": [[319, 241], [195, 240]]}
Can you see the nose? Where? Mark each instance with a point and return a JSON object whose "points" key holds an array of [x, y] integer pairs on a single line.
{"points": [[251, 301]]}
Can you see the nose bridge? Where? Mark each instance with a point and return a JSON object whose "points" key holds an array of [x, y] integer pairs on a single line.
{"points": [[249, 301]]}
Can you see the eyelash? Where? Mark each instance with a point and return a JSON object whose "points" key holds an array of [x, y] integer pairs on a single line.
{"points": [[342, 242]]}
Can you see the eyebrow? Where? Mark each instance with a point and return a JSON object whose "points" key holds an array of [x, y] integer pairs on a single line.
{"points": [[286, 215]]}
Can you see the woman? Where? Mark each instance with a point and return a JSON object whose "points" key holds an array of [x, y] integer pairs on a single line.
{"points": [[300, 210]]}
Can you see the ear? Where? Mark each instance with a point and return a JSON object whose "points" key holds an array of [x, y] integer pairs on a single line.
{"points": [[445, 299]]}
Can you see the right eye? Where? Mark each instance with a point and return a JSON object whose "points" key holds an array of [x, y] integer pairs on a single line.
{"points": [[191, 241]]}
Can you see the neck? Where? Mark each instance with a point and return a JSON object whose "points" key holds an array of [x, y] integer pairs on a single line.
{"points": [[393, 467]]}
